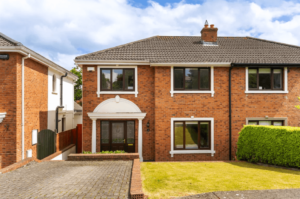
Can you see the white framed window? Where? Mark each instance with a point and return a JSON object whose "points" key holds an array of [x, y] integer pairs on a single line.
{"points": [[192, 136], [267, 121], [117, 80], [266, 80], [192, 80], [54, 91]]}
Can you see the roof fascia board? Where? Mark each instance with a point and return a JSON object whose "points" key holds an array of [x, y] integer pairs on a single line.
{"points": [[23, 50], [110, 62], [265, 64], [216, 64]]}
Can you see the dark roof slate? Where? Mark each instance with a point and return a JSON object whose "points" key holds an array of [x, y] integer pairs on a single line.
{"points": [[189, 49]]}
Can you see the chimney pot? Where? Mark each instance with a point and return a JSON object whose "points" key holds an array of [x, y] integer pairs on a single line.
{"points": [[205, 26], [212, 26]]}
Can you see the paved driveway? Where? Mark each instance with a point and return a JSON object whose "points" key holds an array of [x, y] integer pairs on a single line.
{"points": [[69, 179]]}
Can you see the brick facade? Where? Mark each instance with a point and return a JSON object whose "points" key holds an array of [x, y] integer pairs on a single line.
{"points": [[154, 98], [36, 105]]}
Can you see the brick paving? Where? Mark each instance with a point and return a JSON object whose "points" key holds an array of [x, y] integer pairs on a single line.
{"points": [[68, 179]]}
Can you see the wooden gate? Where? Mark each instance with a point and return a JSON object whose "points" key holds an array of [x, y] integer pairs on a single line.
{"points": [[46, 143]]}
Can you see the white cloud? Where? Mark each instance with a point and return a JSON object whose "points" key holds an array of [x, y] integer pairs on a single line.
{"points": [[62, 30]]}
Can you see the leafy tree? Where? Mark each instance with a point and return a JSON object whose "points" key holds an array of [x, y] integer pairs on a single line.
{"points": [[78, 86]]}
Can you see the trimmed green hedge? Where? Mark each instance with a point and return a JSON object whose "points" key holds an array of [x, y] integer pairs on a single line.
{"points": [[270, 144]]}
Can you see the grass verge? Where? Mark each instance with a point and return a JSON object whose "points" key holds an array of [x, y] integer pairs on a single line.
{"points": [[164, 180]]}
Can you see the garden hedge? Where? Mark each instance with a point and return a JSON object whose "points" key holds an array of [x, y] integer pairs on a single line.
{"points": [[270, 145]]}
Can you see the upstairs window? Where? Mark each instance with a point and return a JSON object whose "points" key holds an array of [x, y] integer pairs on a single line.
{"points": [[117, 79], [191, 79], [265, 79]]}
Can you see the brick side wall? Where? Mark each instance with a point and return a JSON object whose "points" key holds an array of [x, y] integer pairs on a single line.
{"points": [[144, 100], [36, 105], [8, 100]]}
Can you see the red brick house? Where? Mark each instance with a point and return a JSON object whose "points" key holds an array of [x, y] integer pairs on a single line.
{"points": [[185, 98], [30, 94]]}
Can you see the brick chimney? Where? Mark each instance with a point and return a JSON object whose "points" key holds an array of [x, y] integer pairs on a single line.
{"points": [[209, 34]]}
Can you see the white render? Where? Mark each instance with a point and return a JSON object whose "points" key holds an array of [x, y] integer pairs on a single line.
{"points": [[64, 155], [118, 108], [212, 151], [68, 102]]}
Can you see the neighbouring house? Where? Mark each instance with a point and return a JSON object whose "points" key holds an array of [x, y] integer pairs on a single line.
{"points": [[185, 98], [30, 90]]}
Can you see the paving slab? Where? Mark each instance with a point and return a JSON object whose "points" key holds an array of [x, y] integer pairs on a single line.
{"points": [[253, 194], [68, 179]]}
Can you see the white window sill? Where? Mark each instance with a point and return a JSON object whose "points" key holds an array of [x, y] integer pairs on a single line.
{"points": [[210, 92], [192, 152], [265, 92], [2, 116], [54, 93], [118, 92]]}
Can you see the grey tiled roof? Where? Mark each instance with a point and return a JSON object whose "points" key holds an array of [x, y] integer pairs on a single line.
{"points": [[176, 49], [7, 41]]}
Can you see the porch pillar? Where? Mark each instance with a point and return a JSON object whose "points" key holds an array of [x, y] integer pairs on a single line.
{"points": [[140, 140], [94, 136]]}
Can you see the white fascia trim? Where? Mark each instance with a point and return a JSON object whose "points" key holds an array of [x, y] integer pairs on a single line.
{"points": [[194, 64], [110, 62], [212, 92], [212, 151], [135, 92], [95, 116], [266, 92], [25, 51], [2, 116]]}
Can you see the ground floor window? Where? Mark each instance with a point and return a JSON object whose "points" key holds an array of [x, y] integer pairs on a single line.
{"points": [[266, 122], [191, 135]]}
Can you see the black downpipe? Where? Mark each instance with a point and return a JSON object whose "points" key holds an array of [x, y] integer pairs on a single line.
{"points": [[230, 112], [61, 102]]}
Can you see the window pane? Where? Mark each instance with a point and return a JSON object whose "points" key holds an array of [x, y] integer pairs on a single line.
{"points": [[178, 78], [105, 77], [117, 76], [130, 132], [278, 123], [204, 78], [266, 123], [204, 134], [191, 78], [277, 76], [191, 135], [117, 132], [104, 132], [252, 78], [264, 78], [252, 123], [129, 79], [179, 135]]}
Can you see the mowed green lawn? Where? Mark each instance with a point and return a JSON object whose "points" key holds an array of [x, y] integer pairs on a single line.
{"points": [[163, 180]]}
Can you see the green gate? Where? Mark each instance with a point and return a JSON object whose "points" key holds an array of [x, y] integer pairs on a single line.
{"points": [[46, 143]]}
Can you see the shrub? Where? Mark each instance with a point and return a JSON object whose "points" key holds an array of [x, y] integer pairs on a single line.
{"points": [[104, 152], [270, 145]]}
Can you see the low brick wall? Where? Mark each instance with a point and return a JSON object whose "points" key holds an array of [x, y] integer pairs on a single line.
{"points": [[101, 157], [16, 165], [136, 189]]}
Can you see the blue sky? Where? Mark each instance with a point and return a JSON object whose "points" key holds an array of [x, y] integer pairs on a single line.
{"points": [[61, 30]]}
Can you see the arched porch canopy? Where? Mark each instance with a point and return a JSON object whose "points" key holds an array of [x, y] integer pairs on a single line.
{"points": [[117, 108]]}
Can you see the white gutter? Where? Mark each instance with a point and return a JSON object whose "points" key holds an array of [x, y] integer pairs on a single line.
{"points": [[204, 64], [23, 110], [39, 58]]}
